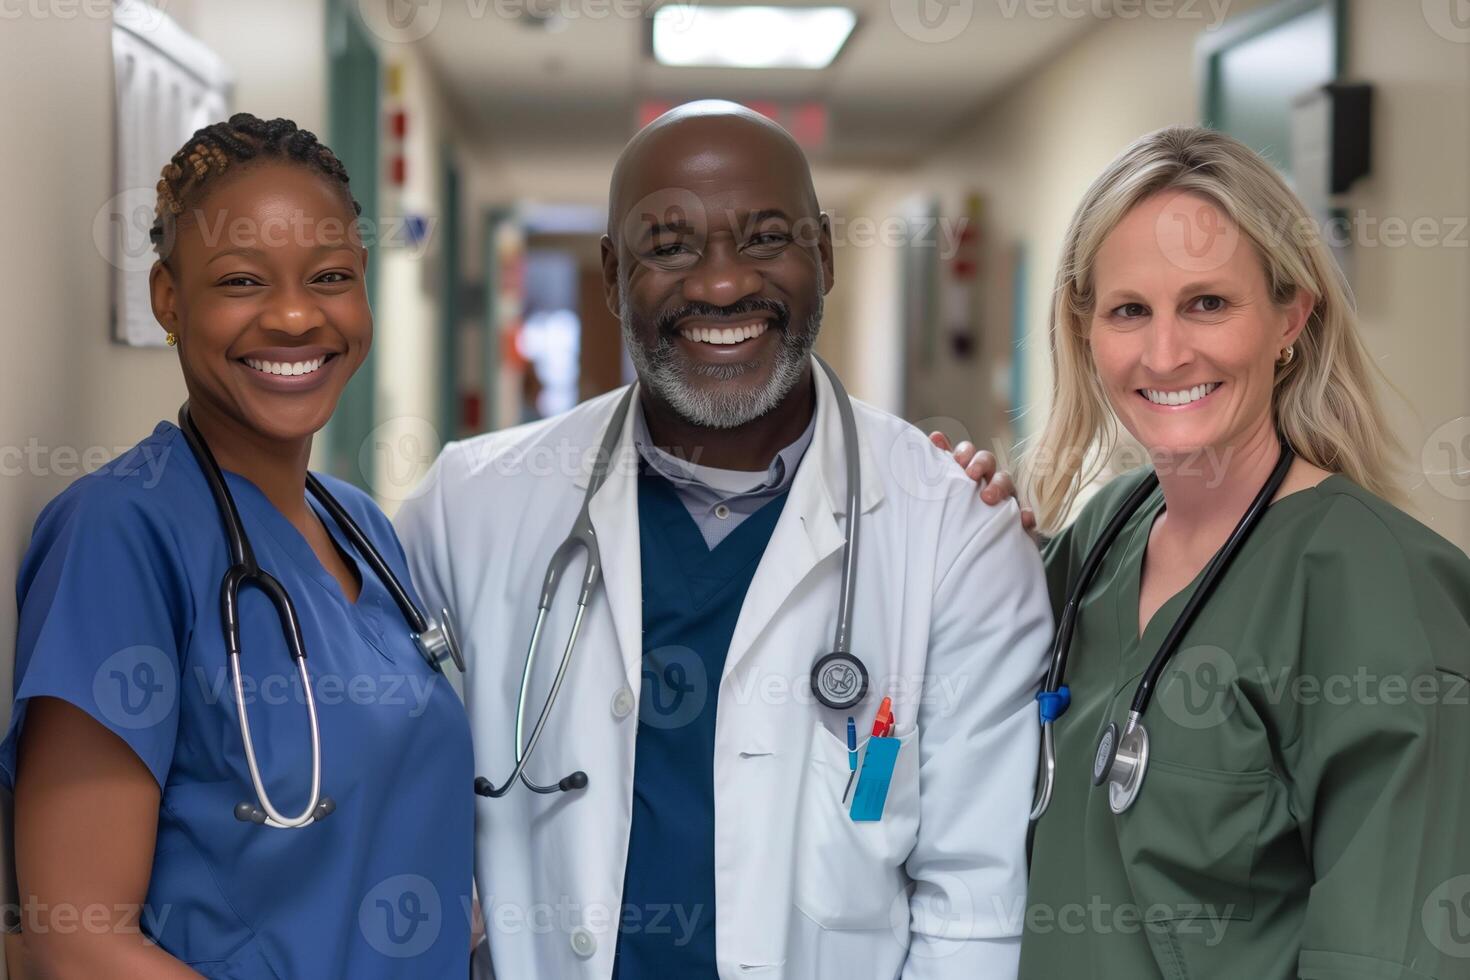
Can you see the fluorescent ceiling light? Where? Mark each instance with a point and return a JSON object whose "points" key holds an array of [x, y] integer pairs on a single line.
{"points": [[750, 37]]}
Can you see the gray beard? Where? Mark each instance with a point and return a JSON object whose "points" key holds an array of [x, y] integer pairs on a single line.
{"points": [[663, 369]]}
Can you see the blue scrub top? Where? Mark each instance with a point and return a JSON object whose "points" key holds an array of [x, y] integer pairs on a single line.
{"points": [[692, 595], [119, 615]]}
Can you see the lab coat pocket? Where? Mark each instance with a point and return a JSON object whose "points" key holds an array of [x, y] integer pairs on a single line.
{"points": [[850, 874], [1190, 842]]}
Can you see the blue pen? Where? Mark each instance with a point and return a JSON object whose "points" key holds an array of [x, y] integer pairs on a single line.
{"points": [[851, 755]]}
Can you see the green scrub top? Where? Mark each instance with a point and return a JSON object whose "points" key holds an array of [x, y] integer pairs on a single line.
{"points": [[1306, 810]]}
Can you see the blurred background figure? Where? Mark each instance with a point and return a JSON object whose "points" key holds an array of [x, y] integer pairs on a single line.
{"points": [[950, 141]]}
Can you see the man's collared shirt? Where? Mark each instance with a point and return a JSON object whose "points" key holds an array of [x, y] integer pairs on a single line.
{"points": [[719, 500]]}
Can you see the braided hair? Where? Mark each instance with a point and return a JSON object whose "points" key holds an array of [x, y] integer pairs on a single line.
{"points": [[242, 140]]}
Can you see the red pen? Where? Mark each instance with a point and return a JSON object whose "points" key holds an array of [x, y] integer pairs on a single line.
{"points": [[883, 724]]}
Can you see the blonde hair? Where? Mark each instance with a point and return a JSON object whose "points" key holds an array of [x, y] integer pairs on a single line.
{"points": [[1324, 402]]}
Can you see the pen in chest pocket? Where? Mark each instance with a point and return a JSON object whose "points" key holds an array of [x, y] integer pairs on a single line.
{"points": [[877, 769], [851, 755]]}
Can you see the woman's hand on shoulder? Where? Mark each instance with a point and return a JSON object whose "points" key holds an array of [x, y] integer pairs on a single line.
{"points": [[981, 466]]}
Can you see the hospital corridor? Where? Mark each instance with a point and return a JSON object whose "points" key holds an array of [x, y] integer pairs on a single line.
{"points": [[414, 413]]}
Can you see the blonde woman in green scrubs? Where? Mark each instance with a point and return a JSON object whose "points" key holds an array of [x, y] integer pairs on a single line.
{"points": [[1306, 807]]}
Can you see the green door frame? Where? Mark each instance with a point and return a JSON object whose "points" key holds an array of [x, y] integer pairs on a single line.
{"points": [[353, 121], [494, 218], [451, 293], [1213, 45]]}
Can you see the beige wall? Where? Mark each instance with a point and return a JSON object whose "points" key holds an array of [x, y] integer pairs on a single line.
{"points": [[64, 385], [276, 49], [1415, 300], [1034, 151], [67, 392]]}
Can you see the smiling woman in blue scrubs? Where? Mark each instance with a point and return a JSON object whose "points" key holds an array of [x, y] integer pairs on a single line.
{"points": [[124, 749]]}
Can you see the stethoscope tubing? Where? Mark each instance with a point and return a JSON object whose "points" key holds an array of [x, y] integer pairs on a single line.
{"points": [[244, 569], [842, 638], [1143, 695], [584, 537]]}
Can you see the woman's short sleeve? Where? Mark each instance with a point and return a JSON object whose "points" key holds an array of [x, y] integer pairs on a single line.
{"points": [[102, 594]]}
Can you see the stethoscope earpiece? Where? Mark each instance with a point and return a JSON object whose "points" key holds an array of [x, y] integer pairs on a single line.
{"points": [[250, 813]]}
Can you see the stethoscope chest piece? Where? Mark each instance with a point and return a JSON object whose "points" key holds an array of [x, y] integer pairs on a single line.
{"points": [[1121, 762], [839, 680], [440, 641]]}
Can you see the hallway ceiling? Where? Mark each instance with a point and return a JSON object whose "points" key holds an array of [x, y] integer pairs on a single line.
{"points": [[563, 94]]}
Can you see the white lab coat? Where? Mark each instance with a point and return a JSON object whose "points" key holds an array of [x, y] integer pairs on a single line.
{"points": [[951, 619]]}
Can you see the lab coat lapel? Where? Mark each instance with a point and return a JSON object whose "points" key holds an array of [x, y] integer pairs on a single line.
{"points": [[614, 513], [808, 532]]}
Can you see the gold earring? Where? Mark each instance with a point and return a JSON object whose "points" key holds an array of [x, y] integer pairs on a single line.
{"points": [[1286, 356], [172, 339]]}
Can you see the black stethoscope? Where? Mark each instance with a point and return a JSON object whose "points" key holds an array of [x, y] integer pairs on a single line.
{"points": [[838, 678], [435, 642], [1121, 759]]}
